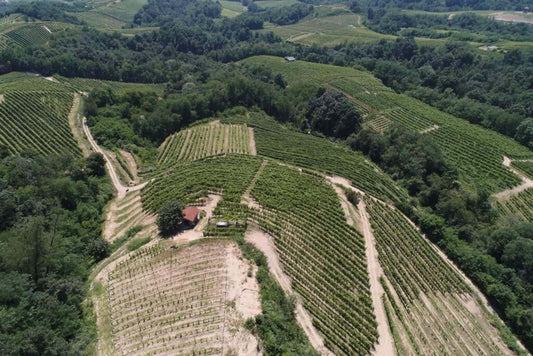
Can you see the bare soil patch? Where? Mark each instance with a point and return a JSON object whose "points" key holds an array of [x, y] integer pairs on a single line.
{"points": [[253, 150], [513, 17], [429, 129], [75, 125], [1, 98], [526, 181]]}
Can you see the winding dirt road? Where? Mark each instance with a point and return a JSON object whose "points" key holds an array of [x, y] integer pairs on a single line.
{"points": [[526, 181], [121, 190]]}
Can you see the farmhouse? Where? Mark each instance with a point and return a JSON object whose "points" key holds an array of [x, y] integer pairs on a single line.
{"points": [[290, 59], [190, 215]]}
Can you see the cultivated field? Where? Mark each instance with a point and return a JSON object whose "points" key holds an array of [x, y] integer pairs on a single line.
{"points": [[477, 152], [34, 115], [184, 301], [28, 34], [203, 141], [429, 306], [304, 216], [520, 205], [275, 141]]}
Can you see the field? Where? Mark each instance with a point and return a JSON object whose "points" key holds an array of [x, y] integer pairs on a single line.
{"points": [[232, 8], [429, 306], [304, 216], [28, 34], [178, 301], [204, 140], [275, 141], [111, 14], [34, 115], [477, 152], [520, 205], [189, 181], [327, 31]]}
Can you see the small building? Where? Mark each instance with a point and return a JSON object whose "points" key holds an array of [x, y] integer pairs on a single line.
{"points": [[492, 48], [190, 215], [222, 224], [290, 59]]}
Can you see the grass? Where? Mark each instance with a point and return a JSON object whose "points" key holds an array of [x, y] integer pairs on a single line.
{"points": [[275, 3], [135, 244], [232, 8]]}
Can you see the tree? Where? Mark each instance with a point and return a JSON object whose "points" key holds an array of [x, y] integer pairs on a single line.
{"points": [[169, 218], [524, 132], [96, 164]]}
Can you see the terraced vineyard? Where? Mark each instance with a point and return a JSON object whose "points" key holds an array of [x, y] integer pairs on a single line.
{"points": [[34, 115], [429, 306], [276, 141], [520, 205], [204, 140], [477, 152], [164, 301], [303, 215]]}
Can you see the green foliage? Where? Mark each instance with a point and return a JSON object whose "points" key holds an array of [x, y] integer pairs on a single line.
{"points": [[169, 218], [332, 114], [227, 175], [303, 215], [128, 235], [48, 245], [95, 164], [276, 141], [136, 243]]}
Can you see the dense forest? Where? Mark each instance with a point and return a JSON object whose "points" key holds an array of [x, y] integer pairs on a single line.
{"points": [[51, 208], [51, 213]]}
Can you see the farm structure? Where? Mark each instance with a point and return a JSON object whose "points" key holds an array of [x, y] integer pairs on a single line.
{"points": [[190, 215]]}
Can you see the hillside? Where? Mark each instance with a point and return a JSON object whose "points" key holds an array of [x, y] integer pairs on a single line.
{"points": [[476, 152], [170, 184]]}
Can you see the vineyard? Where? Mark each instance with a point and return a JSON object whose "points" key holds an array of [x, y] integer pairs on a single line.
{"points": [[28, 34], [34, 115], [204, 140], [275, 141], [475, 151], [173, 301], [520, 205], [321, 253], [228, 175], [429, 306], [525, 167]]}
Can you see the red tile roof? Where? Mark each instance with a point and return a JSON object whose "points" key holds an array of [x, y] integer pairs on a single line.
{"points": [[190, 214]]}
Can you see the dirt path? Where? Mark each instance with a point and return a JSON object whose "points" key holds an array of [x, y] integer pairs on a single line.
{"points": [[300, 37], [121, 190], [526, 181], [385, 344], [263, 243], [1, 98], [429, 129], [74, 123], [253, 150]]}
